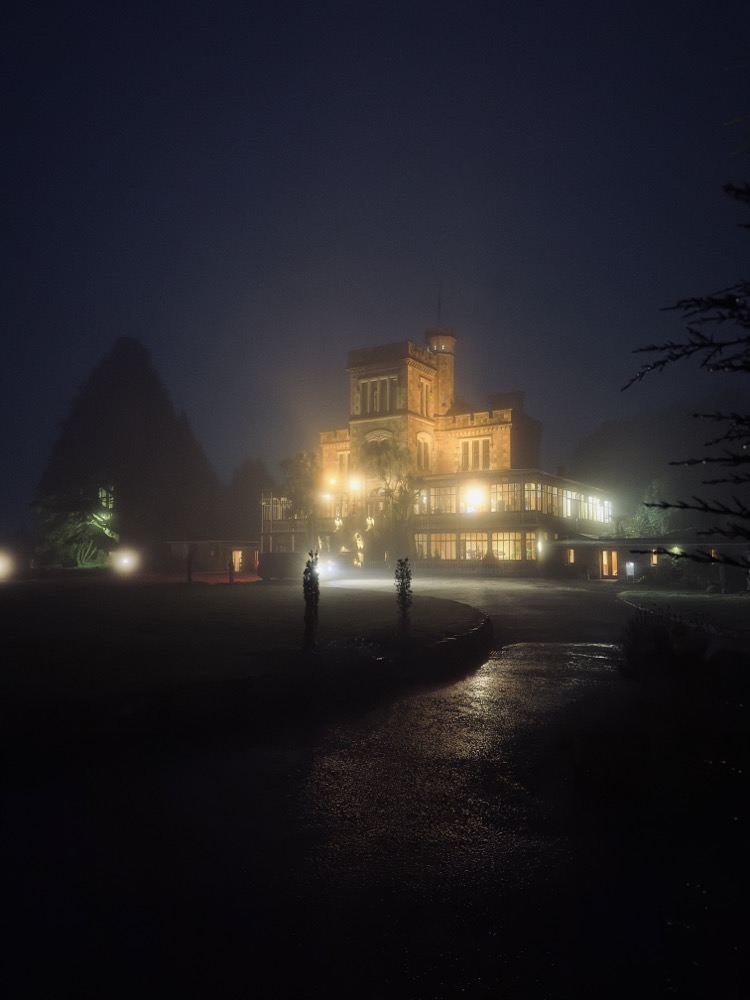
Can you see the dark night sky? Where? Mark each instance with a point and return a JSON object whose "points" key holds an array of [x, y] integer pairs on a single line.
{"points": [[253, 190]]}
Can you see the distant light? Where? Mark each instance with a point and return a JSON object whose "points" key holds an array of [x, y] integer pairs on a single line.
{"points": [[355, 485], [327, 567], [473, 500], [125, 561], [7, 566]]}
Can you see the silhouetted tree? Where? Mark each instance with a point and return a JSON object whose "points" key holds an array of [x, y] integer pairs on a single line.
{"points": [[125, 466], [650, 519], [718, 338], [403, 587], [243, 499], [300, 486], [399, 488], [311, 594]]}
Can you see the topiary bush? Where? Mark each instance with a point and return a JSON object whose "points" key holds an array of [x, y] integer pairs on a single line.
{"points": [[311, 593]]}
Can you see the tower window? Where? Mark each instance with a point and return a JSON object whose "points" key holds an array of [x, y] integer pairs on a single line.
{"points": [[378, 395], [424, 397]]}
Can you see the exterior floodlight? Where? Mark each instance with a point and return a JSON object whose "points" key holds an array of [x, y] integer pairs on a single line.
{"points": [[125, 561], [6, 566], [473, 499]]}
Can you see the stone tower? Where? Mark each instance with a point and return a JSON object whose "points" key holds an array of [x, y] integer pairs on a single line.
{"points": [[442, 342]]}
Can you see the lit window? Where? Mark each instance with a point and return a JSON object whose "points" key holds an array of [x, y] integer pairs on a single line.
{"points": [[475, 454], [423, 454], [443, 500], [532, 496], [609, 563], [550, 499], [443, 546], [472, 545], [505, 496], [530, 544], [506, 545]]}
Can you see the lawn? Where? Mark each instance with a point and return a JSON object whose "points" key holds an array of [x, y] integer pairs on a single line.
{"points": [[113, 647], [727, 614]]}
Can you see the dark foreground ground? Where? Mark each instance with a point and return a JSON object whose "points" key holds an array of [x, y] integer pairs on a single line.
{"points": [[99, 681], [115, 660]]}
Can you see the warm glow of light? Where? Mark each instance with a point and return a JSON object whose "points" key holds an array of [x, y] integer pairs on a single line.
{"points": [[539, 545], [6, 566], [125, 560], [329, 566], [355, 485], [473, 499]]}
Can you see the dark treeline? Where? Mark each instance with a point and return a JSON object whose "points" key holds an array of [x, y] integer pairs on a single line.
{"points": [[644, 455], [127, 469]]}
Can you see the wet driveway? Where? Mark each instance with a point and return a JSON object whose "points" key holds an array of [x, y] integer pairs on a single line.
{"points": [[431, 848]]}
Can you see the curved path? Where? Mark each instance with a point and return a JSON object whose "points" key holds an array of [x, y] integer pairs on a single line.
{"points": [[429, 847]]}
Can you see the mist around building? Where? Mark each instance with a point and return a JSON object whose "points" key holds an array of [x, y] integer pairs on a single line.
{"points": [[417, 471]]}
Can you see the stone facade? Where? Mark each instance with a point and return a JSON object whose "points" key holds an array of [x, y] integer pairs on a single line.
{"points": [[406, 393], [460, 488]]}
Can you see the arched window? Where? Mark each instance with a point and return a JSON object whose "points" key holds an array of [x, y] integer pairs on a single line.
{"points": [[424, 451]]}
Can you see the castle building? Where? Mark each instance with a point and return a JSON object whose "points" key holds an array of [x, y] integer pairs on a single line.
{"points": [[416, 472]]}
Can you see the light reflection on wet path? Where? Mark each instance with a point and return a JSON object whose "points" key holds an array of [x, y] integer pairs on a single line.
{"points": [[432, 796], [418, 843], [414, 844]]}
